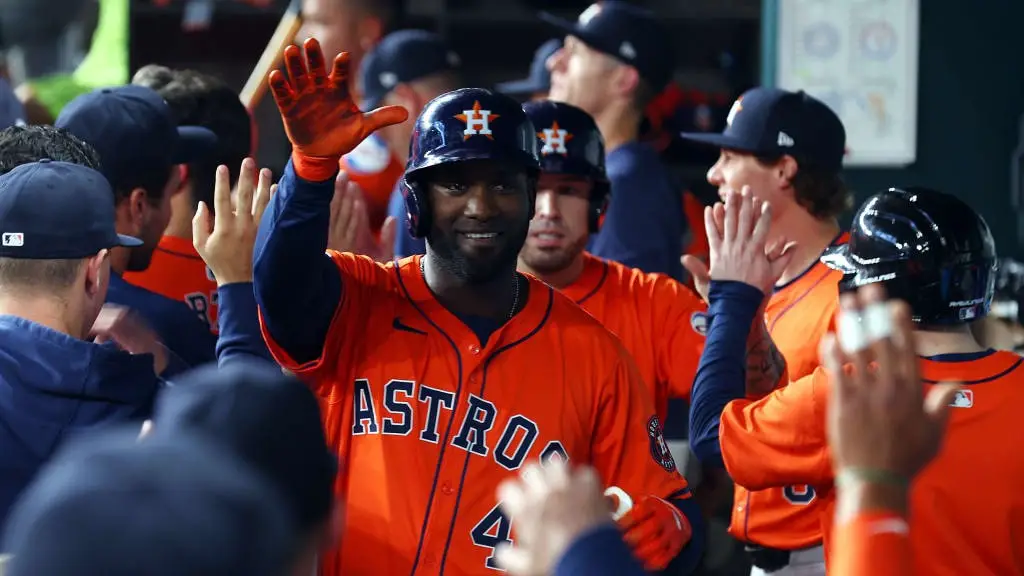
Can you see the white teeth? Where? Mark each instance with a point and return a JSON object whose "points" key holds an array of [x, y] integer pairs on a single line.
{"points": [[481, 236]]}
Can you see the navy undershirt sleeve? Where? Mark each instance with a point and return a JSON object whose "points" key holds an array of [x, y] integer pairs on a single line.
{"points": [[239, 323]]}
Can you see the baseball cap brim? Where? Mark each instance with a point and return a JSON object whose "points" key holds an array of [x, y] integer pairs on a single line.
{"points": [[128, 241], [194, 143], [570, 28], [719, 140], [838, 258], [522, 87]]}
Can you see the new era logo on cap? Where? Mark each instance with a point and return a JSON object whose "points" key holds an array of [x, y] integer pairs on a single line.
{"points": [[13, 239]]}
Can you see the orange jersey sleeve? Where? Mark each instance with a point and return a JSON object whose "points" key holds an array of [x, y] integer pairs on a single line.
{"points": [[375, 169], [427, 420], [797, 315], [179, 273], [776, 451], [873, 544], [660, 322]]}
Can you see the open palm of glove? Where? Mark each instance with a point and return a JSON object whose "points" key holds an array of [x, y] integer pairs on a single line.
{"points": [[319, 115]]}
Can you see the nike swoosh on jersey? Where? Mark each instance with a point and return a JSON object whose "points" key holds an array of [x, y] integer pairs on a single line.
{"points": [[397, 324]]}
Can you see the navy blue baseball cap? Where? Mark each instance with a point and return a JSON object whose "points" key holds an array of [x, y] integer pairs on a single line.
{"points": [[631, 34], [108, 505], [403, 56], [57, 210], [539, 79], [270, 420], [135, 133], [776, 122]]}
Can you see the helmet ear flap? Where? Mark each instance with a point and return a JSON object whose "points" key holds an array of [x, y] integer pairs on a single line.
{"points": [[599, 199], [416, 208]]}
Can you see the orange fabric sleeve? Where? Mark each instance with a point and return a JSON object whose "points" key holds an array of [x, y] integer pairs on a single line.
{"points": [[780, 439], [629, 450], [680, 320], [872, 544]]}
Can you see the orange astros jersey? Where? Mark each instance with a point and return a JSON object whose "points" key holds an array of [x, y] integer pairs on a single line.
{"points": [[179, 273], [872, 544], [968, 506], [375, 169], [660, 322], [797, 315], [428, 422]]}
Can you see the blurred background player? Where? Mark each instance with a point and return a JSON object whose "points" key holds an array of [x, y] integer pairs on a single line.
{"points": [[272, 422], [1003, 328], [615, 60], [141, 151], [537, 84], [356, 26], [54, 274], [788, 147], [91, 513], [176, 270], [408, 68]]}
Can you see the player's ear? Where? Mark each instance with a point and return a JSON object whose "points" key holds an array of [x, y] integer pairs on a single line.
{"points": [[137, 204], [97, 271], [626, 79], [785, 170]]}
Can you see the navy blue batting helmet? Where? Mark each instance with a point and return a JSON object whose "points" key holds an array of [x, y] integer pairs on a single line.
{"points": [[571, 144], [927, 248], [465, 124]]}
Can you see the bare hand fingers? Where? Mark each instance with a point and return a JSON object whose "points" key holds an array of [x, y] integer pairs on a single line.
{"points": [[222, 199], [246, 189], [264, 188], [762, 225], [731, 216], [711, 228], [317, 66], [745, 217], [340, 71], [202, 225]]}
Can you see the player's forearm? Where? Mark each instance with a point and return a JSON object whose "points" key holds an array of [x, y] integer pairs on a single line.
{"points": [[766, 367], [689, 558], [296, 286], [239, 325], [598, 552], [721, 372], [872, 533]]}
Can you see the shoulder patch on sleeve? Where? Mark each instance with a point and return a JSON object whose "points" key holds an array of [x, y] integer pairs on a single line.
{"points": [[659, 448], [699, 323], [371, 156]]}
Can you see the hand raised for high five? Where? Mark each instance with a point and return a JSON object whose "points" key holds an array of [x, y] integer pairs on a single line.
{"points": [[317, 109]]}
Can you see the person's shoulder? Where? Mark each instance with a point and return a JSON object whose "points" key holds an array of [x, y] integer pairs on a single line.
{"points": [[651, 288], [576, 325], [368, 273]]}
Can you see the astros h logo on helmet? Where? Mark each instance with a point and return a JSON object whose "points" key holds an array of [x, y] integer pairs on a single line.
{"points": [[478, 121], [554, 139]]}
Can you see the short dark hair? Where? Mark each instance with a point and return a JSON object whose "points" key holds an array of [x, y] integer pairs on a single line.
{"points": [[24, 144], [819, 191], [198, 99], [39, 276]]}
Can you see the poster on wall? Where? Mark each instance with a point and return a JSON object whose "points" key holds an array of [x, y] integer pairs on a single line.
{"points": [[861, 58]]}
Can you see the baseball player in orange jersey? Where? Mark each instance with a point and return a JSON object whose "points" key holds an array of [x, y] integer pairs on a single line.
{"points": [[660, 321], [440, 375], [789, 148], [933, 251]]}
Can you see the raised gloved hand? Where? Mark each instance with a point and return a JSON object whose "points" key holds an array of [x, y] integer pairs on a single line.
{"points": [[320, 118], [656, 531]]}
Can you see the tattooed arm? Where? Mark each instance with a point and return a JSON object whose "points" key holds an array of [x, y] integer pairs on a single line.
{"points": [[766, 367]]}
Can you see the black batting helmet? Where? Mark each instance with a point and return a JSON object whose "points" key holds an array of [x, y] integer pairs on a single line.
{"points": [[570, 143], [928, 248], [465, 124]]}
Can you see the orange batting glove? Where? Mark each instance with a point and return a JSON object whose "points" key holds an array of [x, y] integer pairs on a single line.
{"points": [[656, 531], [320, 118]]}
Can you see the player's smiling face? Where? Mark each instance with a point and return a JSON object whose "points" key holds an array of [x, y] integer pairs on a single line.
{"points": [[558, 231], [481, 214], [734, 170]]}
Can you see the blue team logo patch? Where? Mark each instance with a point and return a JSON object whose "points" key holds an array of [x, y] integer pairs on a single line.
{"points": [[659, 448], [699, 323]]}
